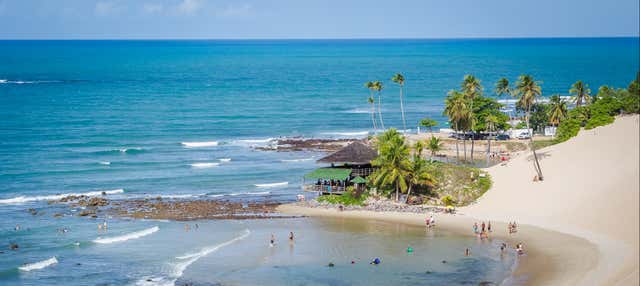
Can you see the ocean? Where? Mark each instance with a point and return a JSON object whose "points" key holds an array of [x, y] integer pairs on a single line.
{"points": [[179, 118]]}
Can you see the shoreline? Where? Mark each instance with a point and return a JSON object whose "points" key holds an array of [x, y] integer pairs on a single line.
{"points": [[549, 254]]}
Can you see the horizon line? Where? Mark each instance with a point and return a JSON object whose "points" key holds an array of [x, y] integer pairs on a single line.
{"points": [[311, 39]]}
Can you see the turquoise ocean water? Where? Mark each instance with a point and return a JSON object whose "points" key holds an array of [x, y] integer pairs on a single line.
{"points": [[178, 118]]}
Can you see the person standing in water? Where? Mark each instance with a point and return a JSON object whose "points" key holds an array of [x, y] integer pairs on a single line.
{"points": [[291, 236], [272, 242], [467, 252]]}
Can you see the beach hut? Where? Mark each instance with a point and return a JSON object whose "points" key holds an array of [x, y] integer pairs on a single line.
{"points": [[348, 166]]}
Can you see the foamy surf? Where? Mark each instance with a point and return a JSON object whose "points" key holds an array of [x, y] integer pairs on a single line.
{"points": [[129, 236], [204, 165], [296, 160], [271, 185], [225, 160], [199, 144], [104, 163], [186, 260], [39, 264], [24, 199]]}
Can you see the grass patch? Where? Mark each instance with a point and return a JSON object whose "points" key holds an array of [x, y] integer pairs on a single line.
{"points": [[463, 184], [543, 143]]}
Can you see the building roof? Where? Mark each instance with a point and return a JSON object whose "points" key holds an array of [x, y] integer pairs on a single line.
{"points": [[355, 153], [329, 174], [358, 180]]}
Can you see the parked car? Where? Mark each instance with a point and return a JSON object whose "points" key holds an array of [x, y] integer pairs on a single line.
{"points": [[503, 137], [524, 135]]}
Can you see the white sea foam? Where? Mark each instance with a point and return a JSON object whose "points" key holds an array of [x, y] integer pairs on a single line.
{"points": [[296, 160], [225, 160], [39, 264], [250, 194], [129, 236], [199, 144], [24, 199], [186, 260], [354, 133], [3, 81], [104, 163], [271, 185], [204, 165], [358, 111]]}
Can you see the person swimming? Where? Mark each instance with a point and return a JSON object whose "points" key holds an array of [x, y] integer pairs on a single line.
{"points": [[272, 242], [291, 236], [375, 261]]}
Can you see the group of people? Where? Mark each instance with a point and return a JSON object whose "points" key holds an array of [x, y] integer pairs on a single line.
{"points": [[187, 227], [430, 222], [483, 231], [102, 226], [513, 227], [272, 242]]}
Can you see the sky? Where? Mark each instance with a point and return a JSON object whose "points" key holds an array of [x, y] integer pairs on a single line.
{"points": [[311, 19]]}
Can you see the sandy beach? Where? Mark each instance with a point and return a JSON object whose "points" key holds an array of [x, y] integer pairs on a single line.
{"points": [[579, 226]]}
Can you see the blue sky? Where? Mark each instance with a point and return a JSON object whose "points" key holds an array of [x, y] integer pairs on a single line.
{"points": [[242, 19]]}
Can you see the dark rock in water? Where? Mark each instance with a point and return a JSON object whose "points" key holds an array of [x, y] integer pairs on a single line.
{"points": [[78, 264], [94, 216], [58, 215], [444, 261], [87, 213], [331, 264], [104, 193], [14, 246], [33, 211], [97, 202], [486, 283], [149, 280]]}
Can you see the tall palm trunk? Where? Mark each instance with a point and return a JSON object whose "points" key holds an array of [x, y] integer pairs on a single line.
{"points": [[373, 117], [488, 148], [408, 193], [464, 148], [472, 143], [404, 123], [380, 110], [535, 156], [397, 193], [457, 150]]}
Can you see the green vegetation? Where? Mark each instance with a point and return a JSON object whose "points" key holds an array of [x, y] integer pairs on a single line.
{"points": [[428, 123], [397, 170], [463, 184], [349, 198], [539, 144], [608, 103]]}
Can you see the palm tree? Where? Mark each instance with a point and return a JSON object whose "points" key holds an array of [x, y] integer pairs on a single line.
{"points": [[457, 110], [377, 86], [581, 93], [434, 146], [393, 162], [558, 110], [527, 90], [428, 123], [472, 88], [502, 87], [399, 79], [418, 147], [491, 121], [373, 113], [418, 174]]}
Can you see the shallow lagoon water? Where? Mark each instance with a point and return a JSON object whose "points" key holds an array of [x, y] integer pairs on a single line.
{"points": [[238, 253]]}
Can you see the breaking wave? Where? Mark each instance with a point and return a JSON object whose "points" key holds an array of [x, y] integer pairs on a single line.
{"points": [[129, 236], [39, 264], [199, 144], [225, 160], [25, 199], [354, 133], [296, 160], [271, 185], [204, 165]]}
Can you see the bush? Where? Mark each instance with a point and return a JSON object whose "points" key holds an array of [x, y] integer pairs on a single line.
{"points": [[600, 119], [567, 129], [447, 200], [347, 199]]}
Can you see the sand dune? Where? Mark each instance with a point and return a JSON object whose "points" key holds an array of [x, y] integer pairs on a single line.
{"points": [[590, 190]]}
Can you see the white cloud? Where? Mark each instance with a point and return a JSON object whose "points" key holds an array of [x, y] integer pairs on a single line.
{"points": [[105, 8], [152, 8], [236, 11], [189, 6]]}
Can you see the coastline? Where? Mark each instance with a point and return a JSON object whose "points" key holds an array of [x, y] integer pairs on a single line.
{"points": [[550, 255], [579, 226]]}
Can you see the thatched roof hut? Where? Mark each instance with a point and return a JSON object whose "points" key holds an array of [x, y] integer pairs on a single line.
{"points": [[356, 153]]}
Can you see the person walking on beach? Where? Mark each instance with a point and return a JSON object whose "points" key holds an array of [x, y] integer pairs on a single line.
{"points": [[475, 227], [483, 226], [489, 227]]}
